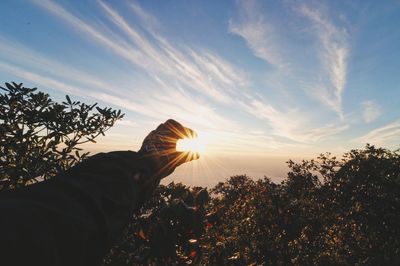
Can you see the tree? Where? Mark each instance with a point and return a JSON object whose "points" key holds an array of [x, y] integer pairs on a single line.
{"points": [[39, 137], [326, 212]]}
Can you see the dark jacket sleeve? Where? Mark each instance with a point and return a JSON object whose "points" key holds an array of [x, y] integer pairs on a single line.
{"points": [[75, 217]]}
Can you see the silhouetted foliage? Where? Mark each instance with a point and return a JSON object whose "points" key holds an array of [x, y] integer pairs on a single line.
{"points": [[167, 231], [327, 211], [39, 137]]}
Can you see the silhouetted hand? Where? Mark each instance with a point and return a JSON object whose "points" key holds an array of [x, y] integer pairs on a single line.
{"points": [[160, 146]]}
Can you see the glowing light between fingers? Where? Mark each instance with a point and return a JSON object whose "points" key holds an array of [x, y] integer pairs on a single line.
{"points": [[190, 145]]}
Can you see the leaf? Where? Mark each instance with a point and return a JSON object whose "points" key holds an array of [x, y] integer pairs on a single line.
{"points": [[68, 99], [101, 111], [142, 235], [10, 87], [192, 241], [202, 197]]}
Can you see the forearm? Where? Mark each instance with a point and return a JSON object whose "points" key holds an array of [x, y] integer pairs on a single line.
{"points": [[109, 181], [86, 207]]}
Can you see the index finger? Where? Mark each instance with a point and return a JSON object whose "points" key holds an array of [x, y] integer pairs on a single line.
{"points": [[178, 130]]}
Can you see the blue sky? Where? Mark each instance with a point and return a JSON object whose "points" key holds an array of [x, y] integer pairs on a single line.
{"points": [[261, 81]]}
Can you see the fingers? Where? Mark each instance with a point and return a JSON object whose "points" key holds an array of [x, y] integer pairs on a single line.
{"points": [[177, 130], [160, 144], [184, 157], [175, 159], [190, 133], [164, 138]]}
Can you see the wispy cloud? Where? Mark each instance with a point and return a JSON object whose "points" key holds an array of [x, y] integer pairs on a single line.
{"points": [[187, 109], [145, 18], [260, 35], [174, 70], [371, 111], [209, 72], [187, 81], [334, 55], [178, 73], [157, 56], [128, 123], [323, 132], [292, 123], [266, 39], [223, 135], [386, 135], [281, 123], [116, 45], [68, 88], [38, 79], [21, 55]]}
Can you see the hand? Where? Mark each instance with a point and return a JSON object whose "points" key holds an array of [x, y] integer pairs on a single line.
{"points": [[160, 145]]}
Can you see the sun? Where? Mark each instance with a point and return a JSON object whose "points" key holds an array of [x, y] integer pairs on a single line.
{"points": [[195, 145]]}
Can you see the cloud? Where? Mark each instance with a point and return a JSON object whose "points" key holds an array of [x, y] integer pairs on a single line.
{"points": [[185, 108], [30, 59], [371, 111], [281, 123], [265, 38], [260, 36], [38, 79], [173, 69], [187, 83], [127, 123], [223, 135], [323, 132], [68, 88], [116, 45], [155, 55], [334, 55], [386, 135], [145, 18], [291, 124]]}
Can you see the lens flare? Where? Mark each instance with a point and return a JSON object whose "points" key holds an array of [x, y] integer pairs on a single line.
{"points": [[195, 145]]}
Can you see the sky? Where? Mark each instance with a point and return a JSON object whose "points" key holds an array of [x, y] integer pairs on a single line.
{"points": [[261, 82]]}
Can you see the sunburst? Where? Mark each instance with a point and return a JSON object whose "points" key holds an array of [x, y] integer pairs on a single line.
{"points": [[193, 145]]}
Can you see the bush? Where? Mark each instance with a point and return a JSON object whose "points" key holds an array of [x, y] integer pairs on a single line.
{"points": [[168, 229], [39, 137], [326, 212]]}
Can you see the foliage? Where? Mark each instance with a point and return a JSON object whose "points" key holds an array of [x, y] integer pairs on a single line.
{"points": [[39, 137], [327, 211], [166, 231]]}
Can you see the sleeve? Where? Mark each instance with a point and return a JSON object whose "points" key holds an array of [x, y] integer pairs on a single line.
{"points": [[75, 217]]}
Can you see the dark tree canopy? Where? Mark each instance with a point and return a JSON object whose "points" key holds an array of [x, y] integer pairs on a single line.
{"points": [[39, 137], [327, 211]]}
